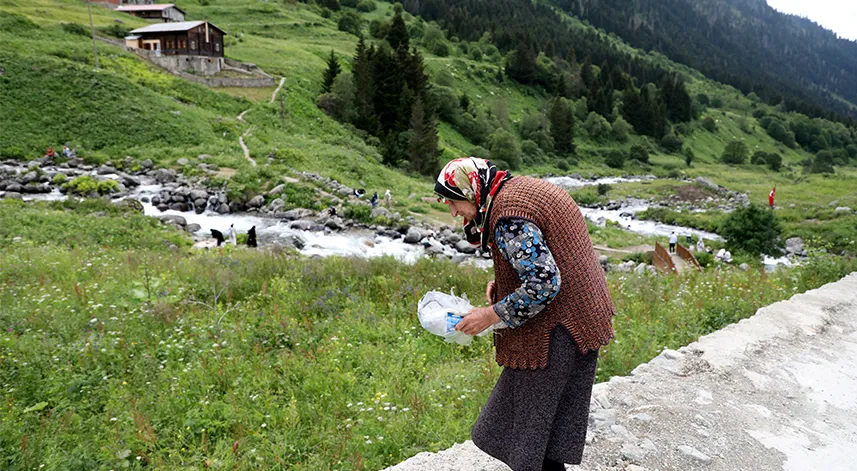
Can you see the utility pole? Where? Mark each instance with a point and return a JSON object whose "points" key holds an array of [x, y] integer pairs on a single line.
{"points": [[92, 27]]}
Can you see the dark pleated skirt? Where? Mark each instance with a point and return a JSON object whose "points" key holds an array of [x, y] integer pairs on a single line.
{"points": [[536, 414]]}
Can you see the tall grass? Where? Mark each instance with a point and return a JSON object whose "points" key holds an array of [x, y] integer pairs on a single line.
{"points": [[120, 356]]}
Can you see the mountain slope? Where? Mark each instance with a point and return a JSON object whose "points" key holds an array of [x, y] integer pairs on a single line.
{"points": [[744, 43]]}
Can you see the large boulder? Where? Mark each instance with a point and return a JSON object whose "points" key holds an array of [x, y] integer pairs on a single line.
{"points": [[146, 164], [198, 195], [192, 228], [12, 195], [163, 175], [295, 241], [277, 190], [465, 247], [414, 235], [305, 225], [199, 206], [14, 188], [222, 208], [297, 213], [256, 202], [794, 245], [382, 212], [276, 206], [173, 219]]}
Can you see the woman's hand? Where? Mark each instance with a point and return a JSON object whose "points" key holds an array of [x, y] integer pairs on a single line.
{"points": [[477, 320], [489, 291]]}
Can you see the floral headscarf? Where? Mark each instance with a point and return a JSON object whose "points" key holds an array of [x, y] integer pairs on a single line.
{"points": [[477, 181]]}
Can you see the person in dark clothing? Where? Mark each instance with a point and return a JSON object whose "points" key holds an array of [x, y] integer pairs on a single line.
{"points": [[550, 291], [217, 236], [374, 200], [251, 237], [331, 211]]}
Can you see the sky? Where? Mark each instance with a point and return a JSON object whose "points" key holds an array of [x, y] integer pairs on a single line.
{"points": [[840, 16]]}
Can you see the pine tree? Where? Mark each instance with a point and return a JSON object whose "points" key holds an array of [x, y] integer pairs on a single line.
{"points": [[333, 69], [561, 119], [550, 49], [676, 98], [422, 146], [389, 87], [364, 88], [632, 108], [397, 35], [586, 74], [571, 57], [522, 65]]}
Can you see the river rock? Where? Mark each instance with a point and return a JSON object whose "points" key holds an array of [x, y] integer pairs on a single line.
{"points": [[198, 195], [173, 219], [14, 188], [295, 241], [305, 225], [129, 180], [297, 213], [13, 195], [29, 177], [277, 189], [145, 165], [199, 206], [223, 208], [414, 235], [193, 228], [156, 200], [334, 223], [105, 170], [794, 245], [163, 175], [465, 247], [162, 207], [183, 162], [276, 206], [182, 207], [256, 202], [842, 209], [382, 212], [744, 267]]}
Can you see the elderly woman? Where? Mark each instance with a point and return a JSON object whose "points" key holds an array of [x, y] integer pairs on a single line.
{"points": [[551, 292]]}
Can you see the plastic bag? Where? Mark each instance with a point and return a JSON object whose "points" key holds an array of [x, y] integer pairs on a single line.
{"points": [[439, 313]]}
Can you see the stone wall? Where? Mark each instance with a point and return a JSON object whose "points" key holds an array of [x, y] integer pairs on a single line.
{"points": [[200, 64], [229, 82]]}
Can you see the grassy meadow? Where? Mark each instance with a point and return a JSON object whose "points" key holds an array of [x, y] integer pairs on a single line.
{"points": [[120, 349]]}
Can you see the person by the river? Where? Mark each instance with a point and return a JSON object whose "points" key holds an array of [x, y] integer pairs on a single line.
{"points": [[251, 237], [218, 236], [673, 241], [388, 199], [550, 290], [233, 236], [374, 200], [700, 245]]}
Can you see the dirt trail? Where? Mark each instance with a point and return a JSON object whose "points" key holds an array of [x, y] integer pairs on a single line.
{"points": [[771, 393]]}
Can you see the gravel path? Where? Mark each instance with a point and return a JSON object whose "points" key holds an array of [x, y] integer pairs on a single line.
{"points": [[773, 392]]}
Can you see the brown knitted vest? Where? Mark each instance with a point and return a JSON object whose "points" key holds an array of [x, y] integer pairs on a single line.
{"points": [[583, 304]]}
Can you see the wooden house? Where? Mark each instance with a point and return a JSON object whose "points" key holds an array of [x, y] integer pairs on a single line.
{"points": [[166, 12], [186, 38]]}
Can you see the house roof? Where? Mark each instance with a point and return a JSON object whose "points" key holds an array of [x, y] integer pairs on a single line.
{"points": [[172, 27], [155, 7]]}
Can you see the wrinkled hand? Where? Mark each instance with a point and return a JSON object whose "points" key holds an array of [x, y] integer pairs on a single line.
{"points": [[477, 320], [489, 292]]}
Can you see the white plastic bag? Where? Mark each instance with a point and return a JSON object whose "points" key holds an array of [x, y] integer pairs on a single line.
{"points": [[439, 313]]}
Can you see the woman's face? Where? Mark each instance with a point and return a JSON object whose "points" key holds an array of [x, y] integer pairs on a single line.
{"points": [[465, 209]]}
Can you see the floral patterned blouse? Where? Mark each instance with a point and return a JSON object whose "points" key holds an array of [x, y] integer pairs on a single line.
{"points": [[521, 243]]}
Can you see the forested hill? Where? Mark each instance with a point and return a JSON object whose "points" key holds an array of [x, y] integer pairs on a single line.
{"points": [[744, 43]]}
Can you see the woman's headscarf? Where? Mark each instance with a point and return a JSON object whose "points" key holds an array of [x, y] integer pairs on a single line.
{"points": [[477, 181]]}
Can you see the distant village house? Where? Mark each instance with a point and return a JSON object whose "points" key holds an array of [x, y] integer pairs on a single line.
{"points": [[165, 12], [184, 46], [127, 2]]}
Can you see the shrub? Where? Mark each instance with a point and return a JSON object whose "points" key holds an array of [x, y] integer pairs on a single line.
{"points": [[671, 142], [107, 186], [639, 153], [366, 6], [14, 152], [709, 124], [476, 53], [532, 153], [615, 159], [504, 146], [350, 22], [349, 3], [774, 161], [116, 30], [753, 230], [75, 28], [704, 258], [852, 150], [59, 179], [563, 165], [735, 153], [688, 156], [603, 189], [440, 49], [82, 185], [759, 158], [621, 129], [361, 213]]}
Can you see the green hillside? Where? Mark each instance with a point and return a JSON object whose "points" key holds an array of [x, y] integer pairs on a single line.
{"points": [[131, 108]]}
